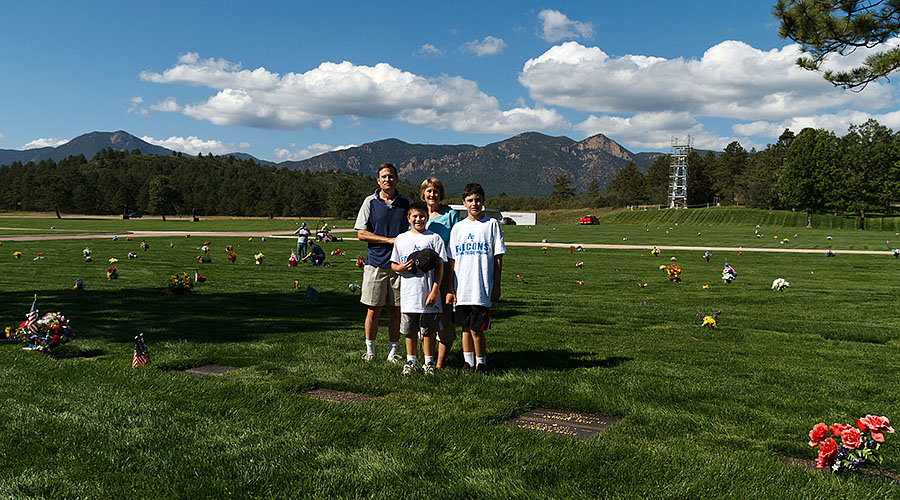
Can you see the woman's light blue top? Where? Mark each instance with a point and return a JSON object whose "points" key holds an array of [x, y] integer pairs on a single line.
{"points": [[443, 223]]}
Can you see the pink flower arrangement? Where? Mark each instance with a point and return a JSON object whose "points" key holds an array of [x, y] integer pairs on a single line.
{"points": [[856, 446]]}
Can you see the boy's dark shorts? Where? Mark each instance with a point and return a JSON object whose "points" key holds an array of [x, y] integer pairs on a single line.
{"points": [[473, 317]]}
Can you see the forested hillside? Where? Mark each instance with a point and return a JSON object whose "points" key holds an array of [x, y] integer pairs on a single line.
{"points": [[116, 182]]}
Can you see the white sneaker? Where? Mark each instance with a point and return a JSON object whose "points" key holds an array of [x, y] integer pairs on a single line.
{"points": [[368, 356], [394, 358], [428, 368], [409, 367]]}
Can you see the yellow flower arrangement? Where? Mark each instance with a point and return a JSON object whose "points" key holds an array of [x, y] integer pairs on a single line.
{"points": [[709, 322], [113, 260], [17, 255]]}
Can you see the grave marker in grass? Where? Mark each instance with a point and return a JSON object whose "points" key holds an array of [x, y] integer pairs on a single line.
{"points": [[565, 423], [206, 370], [338, 396]]}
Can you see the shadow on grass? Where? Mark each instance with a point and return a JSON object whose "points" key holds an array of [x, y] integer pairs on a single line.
{"points": [[550, 359], [117, 316]]}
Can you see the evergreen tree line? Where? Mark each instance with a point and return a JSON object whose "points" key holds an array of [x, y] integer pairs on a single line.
{"points": [[814, 171], [117, 182]]}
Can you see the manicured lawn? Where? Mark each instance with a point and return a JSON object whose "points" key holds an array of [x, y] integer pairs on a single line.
{"points": [[704, 413]]}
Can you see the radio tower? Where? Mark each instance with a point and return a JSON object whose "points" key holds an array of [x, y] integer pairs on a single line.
{"points": [[678, 172]]}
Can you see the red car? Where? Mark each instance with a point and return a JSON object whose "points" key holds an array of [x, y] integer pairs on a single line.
{"points": [[589, 219]]}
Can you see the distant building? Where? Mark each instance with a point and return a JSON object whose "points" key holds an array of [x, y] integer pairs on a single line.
{"points": [[521, 218]]}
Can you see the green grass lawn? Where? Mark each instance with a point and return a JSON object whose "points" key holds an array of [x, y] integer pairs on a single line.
{"points": [[704, 413]]}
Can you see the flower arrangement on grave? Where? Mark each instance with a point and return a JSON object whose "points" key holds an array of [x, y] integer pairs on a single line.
{"points": [[115, 237], [39, 256], [337, 251], [579, 264], [709, 320], [10, 334], [292, 260], [655, 252], [79, 285], [571, 248], [354, 287], [580, 282], [895, 252], [728, 274], [360, 262], [46, 333], [229, 248], [543, 249], [204, 258], [132, 254], [259, 257], [171, 244], [641, 285], [112, 273], [232, 257], [856, 447], [113, 260], [829, 253], [706, 256], [180, 284], [86, 253], [673, 272], [780, 284], [17, 255], [144, 245], [207, 243]]}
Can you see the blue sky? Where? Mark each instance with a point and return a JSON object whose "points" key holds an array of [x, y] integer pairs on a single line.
{"points": [[288, 80]]}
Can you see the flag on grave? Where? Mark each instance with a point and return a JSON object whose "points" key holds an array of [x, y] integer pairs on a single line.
{"points": [[141, 354], [31, 318]]}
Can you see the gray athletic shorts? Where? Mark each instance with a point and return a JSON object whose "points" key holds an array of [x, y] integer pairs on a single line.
{"points": [[419, 324]]}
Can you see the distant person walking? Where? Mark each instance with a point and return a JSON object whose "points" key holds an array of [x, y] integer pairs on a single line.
{"points": [[441, 219], [302, 239], [381, 218]]}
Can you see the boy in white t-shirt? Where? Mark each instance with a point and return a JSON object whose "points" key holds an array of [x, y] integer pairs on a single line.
{"points": [[419, 256], [476, 258]]}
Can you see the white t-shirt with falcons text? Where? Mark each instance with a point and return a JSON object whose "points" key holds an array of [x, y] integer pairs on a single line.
{"points": [[473, 246], [414, 288]]}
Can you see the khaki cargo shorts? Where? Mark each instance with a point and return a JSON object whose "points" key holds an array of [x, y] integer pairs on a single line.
{"points": [[380, 286]]}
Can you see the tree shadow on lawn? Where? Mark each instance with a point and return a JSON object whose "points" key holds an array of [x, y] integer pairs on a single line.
{"points": [[550, 359], [117, 316]]}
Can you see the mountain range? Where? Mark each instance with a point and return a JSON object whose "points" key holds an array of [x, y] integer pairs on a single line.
{"points": [[526, 164]]}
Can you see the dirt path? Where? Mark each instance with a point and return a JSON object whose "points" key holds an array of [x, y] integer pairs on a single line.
{"points": [[289, 235]]}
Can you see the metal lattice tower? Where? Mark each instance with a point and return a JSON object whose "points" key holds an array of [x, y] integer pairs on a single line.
{"points": [[678, 172]]}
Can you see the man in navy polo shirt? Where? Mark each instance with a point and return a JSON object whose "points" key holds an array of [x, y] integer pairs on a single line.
{"points": [[381, 218]]}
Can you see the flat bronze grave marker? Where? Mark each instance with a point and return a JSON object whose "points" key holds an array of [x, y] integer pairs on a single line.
{"points": [[338, 396], [203, 371], [565, 423]]}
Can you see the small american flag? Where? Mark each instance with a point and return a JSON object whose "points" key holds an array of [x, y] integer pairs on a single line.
{"points": [[31, 318], [141, 354]]}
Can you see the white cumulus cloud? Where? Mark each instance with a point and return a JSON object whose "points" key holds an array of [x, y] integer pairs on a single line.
{"points": [[194, 145], [731, 80], [168, 104], [284, 154], [292, 101], [654, 131], [428, 50], [137, 107], [49, 142], [556, 26], [491, 45], [839, 123]]}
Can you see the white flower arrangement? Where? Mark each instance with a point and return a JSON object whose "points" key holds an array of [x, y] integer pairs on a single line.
{"points": [[780, 284]]}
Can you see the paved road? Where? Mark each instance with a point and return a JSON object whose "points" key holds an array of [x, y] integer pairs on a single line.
{"points": [[289, 235]]}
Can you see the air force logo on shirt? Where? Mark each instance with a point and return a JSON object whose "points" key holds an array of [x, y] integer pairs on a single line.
{"points": [[472, 247]]}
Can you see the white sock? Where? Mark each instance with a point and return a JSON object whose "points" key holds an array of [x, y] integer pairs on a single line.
{"points": [[370, 346], [429, 360], [393, 346], [410, 358], [481, 361], [469, 357]]}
